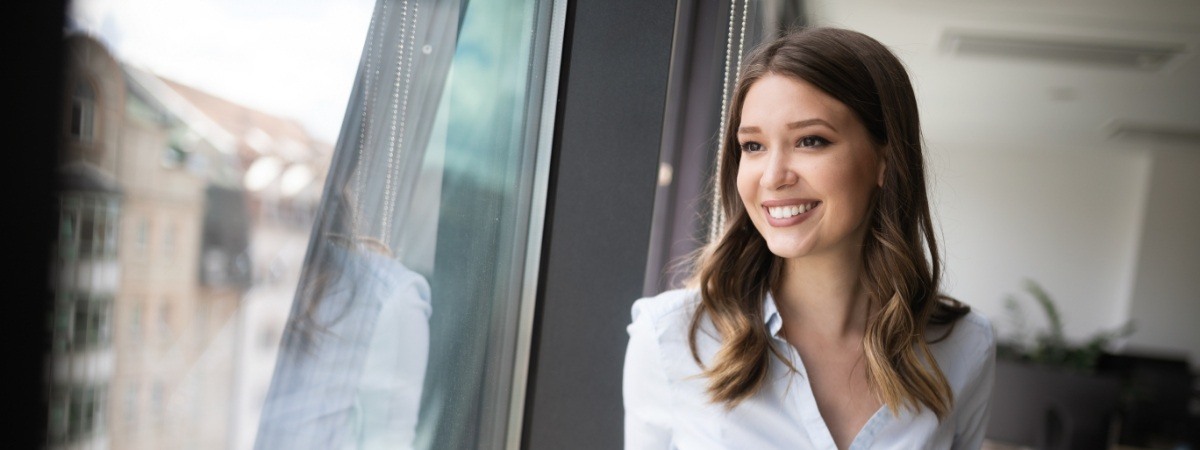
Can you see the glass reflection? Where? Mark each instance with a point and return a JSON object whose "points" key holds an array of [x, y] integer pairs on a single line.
{"points": [[227, 279]]}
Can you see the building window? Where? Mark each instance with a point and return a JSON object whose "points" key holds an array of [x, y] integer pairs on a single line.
{"points": [[89, 233], [60, 404], [141, 235], [76, 412], [64, 314], [110, 230], [174, 156], [68, 230], [86, 227], [83, 112], [81, 322], [89, 326]]}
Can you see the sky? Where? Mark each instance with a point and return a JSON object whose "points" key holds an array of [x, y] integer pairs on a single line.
{"points": [[295, 58]]}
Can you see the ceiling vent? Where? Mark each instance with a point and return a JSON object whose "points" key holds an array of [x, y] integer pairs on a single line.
{"points": [[1094, 52], [1141, 131]]}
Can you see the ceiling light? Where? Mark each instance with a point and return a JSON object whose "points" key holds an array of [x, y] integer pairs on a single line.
{"points": [[1130, 130], [1097, 52]]}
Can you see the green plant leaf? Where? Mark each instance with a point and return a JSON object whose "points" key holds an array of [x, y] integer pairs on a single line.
{"points": [[1050, 347]]}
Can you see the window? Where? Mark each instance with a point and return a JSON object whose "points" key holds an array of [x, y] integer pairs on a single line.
{"points": [[174, 156], [68, 229], [141, 234], [60, 405], [81, 323], [424, 247], [63, 318], [76, 412], [430, 207], [83, 106], [110, 220], [89, 233]]}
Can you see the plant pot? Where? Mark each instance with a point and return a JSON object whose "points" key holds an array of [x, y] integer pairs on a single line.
{"points": [[1050, 408]]}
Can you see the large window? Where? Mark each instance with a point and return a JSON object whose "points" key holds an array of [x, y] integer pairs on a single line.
{"points": [[288, 282], [416, 272], [447, 263]]}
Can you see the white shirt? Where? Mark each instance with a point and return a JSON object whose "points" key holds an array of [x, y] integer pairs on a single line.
{"points": [[666, 406], [355, 382]]}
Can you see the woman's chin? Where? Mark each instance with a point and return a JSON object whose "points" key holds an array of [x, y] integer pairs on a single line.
{"points": [[788, 248]]}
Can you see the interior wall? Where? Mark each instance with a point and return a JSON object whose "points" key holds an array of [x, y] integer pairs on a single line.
{"points": [[1068, 219], [1165, 304]]}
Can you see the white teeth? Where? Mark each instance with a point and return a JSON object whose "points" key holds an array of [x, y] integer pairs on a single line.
{"points": [[783, 212]]}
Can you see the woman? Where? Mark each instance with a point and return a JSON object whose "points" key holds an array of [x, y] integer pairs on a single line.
{"points": [[814, 320]]}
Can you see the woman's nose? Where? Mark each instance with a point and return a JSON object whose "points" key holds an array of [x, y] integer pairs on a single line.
{"points": [[778, 174]]}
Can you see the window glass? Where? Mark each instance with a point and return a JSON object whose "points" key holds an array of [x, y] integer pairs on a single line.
{"points": [[82, 111], [405, 323], [288, 278]]}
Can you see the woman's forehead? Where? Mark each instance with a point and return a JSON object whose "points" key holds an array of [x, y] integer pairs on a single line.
{"points": [[778, 100]]}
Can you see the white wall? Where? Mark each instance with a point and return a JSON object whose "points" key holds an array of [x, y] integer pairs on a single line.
{"points": [[1165, 303], [1068, 219]]}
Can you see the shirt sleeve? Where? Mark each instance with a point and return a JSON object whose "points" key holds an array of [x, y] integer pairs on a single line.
{"points": [[975, 402], [389, 392], [646, 389]]}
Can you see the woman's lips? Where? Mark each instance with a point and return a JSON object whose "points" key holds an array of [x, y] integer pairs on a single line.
{"points": [[787, 213]]}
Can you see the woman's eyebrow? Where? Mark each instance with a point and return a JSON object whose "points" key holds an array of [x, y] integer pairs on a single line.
{"points": [[809, 122], [790, 126]]}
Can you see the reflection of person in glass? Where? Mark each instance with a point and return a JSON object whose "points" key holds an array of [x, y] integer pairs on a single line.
{"points": [[814, 320], [352, 362]]}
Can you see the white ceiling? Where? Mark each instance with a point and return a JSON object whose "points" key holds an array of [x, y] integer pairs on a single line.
{"points": [[996, 103]]}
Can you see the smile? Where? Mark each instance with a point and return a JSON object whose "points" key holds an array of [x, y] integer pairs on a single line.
{"points": [[784, 212]]}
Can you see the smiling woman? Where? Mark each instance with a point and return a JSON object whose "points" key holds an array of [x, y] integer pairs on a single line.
{"points": [[815, 319], [796, 165]]}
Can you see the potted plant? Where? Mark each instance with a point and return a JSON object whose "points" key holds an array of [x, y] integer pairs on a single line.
{"points": [[1047, 392], [1049, 347]]}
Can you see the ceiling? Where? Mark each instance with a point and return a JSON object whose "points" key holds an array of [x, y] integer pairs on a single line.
{"points": [[997, 103]]}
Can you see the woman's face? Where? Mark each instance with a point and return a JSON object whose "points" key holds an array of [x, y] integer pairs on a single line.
{"points": [[808, 168]]}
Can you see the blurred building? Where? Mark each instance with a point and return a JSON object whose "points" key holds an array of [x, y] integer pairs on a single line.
{"points": [[184, 221], [86, 270], [281, 187]]}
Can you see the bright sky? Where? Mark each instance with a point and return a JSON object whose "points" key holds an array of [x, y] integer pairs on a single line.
{"points": [[293, 58]]}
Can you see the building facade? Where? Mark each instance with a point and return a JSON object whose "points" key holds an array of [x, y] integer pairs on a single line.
{"points": [[184, 220]]}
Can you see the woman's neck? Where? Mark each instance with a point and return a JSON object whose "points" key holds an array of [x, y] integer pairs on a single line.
{"points": [[824, 296]]}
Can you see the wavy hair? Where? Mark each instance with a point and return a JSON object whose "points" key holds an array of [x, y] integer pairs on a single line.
{"points": [[901, 264]]}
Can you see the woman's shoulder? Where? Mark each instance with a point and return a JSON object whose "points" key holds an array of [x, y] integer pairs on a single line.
{"points": [[667, 306], [668, 317], [964, 347], [976, 330]]}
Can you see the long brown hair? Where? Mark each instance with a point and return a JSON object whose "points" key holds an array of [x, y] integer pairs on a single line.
{"points": [[901, 264]]}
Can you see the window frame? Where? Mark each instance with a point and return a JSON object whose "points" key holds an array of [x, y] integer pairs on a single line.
{"points": [[616, 57]]}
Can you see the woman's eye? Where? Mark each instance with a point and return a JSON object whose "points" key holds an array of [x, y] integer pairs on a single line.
{"points": [[812, 141], [751, 147]]}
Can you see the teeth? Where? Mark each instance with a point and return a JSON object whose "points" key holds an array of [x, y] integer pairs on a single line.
{"points": [[783, 212]]}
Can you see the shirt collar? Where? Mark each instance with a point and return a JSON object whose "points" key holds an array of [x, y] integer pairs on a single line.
{"points": [[771, 318]]}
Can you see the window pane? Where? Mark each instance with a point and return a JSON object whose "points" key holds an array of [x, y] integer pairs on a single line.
{"points": [[404, 330], [280, 282]]}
